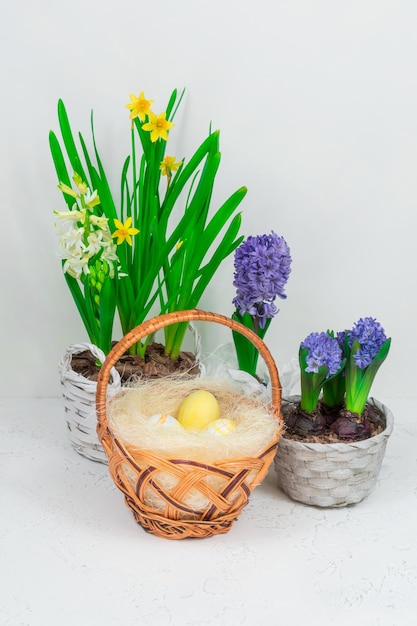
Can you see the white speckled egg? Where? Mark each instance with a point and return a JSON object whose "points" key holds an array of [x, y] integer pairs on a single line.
{"points": [[164, 419], [222, 427]]}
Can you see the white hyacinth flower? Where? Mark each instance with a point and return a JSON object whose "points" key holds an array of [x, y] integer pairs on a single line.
{"points": [[91, 199], [72, 242], [101, 222], [95, 242], [71, 216], [75, 266]]}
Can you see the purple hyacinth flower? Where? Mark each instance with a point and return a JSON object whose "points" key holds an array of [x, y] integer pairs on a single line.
{"points": [[262, 267], [322, 350], [370, 336], [340, 336]]}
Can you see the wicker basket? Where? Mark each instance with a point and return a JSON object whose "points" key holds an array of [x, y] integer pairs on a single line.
{"points": [[79, 394], [332, 474], [239, 476]]}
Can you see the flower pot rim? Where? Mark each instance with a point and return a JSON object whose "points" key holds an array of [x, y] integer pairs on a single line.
{"points": [[68, 374]]}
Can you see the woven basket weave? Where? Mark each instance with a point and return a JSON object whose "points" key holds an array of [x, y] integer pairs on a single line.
{"points": [[235, 478], [79, 394], [332, 474]]}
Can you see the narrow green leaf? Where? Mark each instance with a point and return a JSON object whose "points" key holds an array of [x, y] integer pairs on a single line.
{"points": [[246, 353], [187, 172], [216, 260], [124, 191], [93, 182], [219, 220], [103, 188], [60, 166], [92, 311], [144, 138], [171, 103], [359, 381], [107, 312], [58, 159], [68, 139], [79, 300]]}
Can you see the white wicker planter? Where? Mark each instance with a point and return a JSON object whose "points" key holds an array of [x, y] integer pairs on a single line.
{"points": [[79, 395], [332, 474]]}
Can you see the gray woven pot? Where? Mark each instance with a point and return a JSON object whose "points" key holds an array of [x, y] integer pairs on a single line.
{"points": [[79, 395], [332, 474]]}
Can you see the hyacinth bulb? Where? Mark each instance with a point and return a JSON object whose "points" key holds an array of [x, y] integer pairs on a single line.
{"points": [[305, 424], [347, 428]]}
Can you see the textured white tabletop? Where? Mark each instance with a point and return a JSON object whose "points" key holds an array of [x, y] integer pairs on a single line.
{"points": [[71, 553]]}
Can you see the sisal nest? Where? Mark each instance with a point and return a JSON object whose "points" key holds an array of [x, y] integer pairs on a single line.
{"points": [[128, 418]]}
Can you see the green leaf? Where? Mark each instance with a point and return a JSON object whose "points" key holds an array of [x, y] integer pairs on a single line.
{"points": [[171, 104], [124, 191], [188, 171], [107, 311], [106, 199], [312, 382], [353, 378], [219, 255], [200, 243], [58, 159], [69, 141], [144, 137], [79, 300], [91, 312], [94, 177], [126, 303], [359, 381], [334, 390], [246, 353], [220, 218]]}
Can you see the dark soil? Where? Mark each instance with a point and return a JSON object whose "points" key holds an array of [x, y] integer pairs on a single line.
{"points": [[300, 427], [131, 366]]}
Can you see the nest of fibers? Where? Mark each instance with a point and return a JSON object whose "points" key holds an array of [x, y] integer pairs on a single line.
{"points": [[188, 483]]}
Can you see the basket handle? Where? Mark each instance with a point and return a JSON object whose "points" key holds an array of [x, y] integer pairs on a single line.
{"points": [[156, 323]]}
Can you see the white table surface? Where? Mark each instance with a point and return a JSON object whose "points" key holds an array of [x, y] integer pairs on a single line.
{"points": [[71, 553]]}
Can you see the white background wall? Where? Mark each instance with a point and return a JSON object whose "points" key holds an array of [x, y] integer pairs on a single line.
{"points": [[317, 105]]}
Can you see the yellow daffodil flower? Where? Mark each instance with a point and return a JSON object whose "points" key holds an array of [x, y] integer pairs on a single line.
{"points": [[124, 231], [169, 165], [157, 126], [139, 106]]}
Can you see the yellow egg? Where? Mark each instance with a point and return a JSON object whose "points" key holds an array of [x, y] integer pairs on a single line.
{"points": [[221, 427], [164, 419], [198, 410]]}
